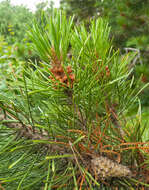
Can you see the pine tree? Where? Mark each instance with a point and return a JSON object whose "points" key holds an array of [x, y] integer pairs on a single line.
{"points": [[83, 9], [64, 124]]}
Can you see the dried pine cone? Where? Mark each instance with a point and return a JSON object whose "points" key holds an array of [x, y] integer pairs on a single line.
{"points": [[105, 168]]}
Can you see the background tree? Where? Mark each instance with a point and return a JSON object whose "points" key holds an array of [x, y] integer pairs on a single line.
{"points": [[83, 9]]}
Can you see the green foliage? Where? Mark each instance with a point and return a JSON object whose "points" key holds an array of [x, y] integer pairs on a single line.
{"points": [[129, 21], [10, 62], [56, 33], [53, 127], [14, 21]]}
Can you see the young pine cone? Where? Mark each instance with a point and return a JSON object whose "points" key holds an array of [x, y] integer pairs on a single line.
{"points": [[105, 168]]}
